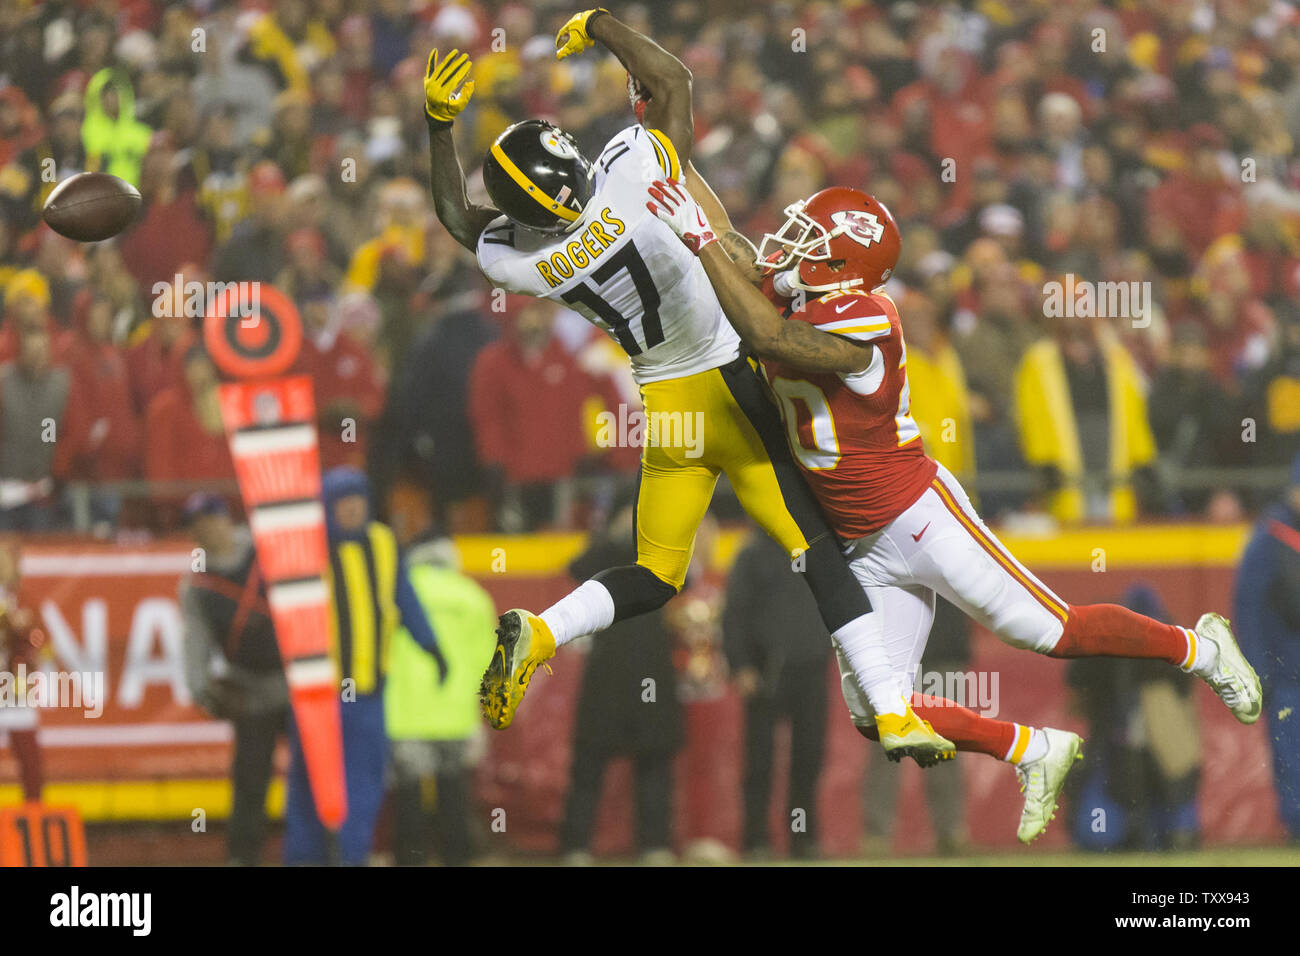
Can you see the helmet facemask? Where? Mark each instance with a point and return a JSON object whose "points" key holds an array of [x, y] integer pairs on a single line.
{"points": [[802, 241]]}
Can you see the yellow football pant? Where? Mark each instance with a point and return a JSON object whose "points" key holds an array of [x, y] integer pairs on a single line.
{"points": [[699, 427]]}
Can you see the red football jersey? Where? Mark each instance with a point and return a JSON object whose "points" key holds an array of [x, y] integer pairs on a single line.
{"points": [[853, 435]]}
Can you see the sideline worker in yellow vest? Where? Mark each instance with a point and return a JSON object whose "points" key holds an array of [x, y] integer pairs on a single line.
{"points": [[372, 594], [435, 732]]}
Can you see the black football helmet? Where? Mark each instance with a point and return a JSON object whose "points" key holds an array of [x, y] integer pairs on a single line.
{"points": [[536, 175]]}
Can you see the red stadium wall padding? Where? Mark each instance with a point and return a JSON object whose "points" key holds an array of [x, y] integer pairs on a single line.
{"points": [[115, 607]]}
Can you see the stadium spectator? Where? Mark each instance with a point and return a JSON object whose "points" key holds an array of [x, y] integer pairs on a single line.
{"points": [[22, 644], [533, 409], [627, 707], [1200, 198], [255, 250], [1144, 762], [102, 437], [1196, 422], [436, 727], [1273, 393], [1083, 423], [116, 141], [1238, 326], [778, 649], [26, 306], [232, 663], [185, 439], [431, 435], [940, 401], [1268, 622], [33, 400], [171, 231], [156, 362], [349, 389]]}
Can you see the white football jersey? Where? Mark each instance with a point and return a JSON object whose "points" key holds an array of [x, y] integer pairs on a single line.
{"points": [[621, 268]]}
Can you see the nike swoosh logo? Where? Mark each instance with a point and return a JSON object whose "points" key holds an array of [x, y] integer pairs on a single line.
{"points": [[841, 308], [917, 536]]}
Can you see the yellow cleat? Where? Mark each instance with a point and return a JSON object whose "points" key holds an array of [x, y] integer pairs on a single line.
{"points": [[907, 735], [523, 642]]}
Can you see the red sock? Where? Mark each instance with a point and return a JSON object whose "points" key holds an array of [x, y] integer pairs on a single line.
{"points": [[965, 728], [1108, 630], [28, 752]]}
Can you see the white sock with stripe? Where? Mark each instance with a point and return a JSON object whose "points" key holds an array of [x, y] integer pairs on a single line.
{"points": [[1030, 743], [1201, 656], [586, 609]]}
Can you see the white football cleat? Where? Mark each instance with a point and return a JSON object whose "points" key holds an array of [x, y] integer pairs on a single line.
{"points": [[1041, 781], [1232, 677]]}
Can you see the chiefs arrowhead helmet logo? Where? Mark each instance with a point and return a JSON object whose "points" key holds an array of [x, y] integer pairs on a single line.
{"points": [[858, 225]]}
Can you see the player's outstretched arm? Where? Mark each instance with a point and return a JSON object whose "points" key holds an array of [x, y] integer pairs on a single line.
{"points": [[665, 77], [743, 252], [442, 102], [747, 309]]}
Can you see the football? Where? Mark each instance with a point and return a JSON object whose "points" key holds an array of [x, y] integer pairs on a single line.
{"points": [[90, 207]]}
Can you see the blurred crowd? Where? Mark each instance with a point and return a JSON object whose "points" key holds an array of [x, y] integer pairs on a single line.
{"points": [[1018, 142]]}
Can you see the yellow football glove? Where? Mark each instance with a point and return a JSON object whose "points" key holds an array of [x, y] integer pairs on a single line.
{"points": [[573, 37], [442, 101]]}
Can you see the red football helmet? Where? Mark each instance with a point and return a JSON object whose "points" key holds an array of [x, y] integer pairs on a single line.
{"points": [[839, 238]]}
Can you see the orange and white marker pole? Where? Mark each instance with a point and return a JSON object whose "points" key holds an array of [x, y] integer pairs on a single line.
{"points": [[270, 423]]}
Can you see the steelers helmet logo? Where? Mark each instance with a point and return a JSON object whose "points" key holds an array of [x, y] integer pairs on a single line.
{"points": [[860, 226], [252, 330], [557, 144]]}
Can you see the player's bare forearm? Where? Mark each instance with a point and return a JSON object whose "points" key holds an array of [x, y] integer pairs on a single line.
{"points": [[739, 248], [662, 74], [764, 330], [462, 218]]}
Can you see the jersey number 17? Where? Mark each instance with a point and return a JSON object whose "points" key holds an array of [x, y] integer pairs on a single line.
{"points": [[588, 301]]}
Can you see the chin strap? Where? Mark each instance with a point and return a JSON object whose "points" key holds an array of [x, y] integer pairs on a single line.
{"points": [[783, 283]]}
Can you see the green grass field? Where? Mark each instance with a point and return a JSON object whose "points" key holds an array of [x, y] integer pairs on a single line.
{"points": [[1230, 857]]}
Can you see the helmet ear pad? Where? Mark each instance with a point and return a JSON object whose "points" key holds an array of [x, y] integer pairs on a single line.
{"points": [[537, 176]]}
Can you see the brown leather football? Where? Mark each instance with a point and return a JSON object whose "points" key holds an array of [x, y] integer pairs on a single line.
{"points": [[90, 207]]}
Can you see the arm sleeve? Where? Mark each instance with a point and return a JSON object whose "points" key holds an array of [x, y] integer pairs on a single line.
{"points": [[198, 645], [414, 618], [1285, 591], [1254, 581]]}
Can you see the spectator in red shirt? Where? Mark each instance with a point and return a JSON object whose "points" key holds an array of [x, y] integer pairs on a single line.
{"points": [[171, 229], [348, 386], [157, 362], [530, 403], [26, 306], [22, 642], [184, 436], [1239, 327], [1200, 198], [101, 436]]}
